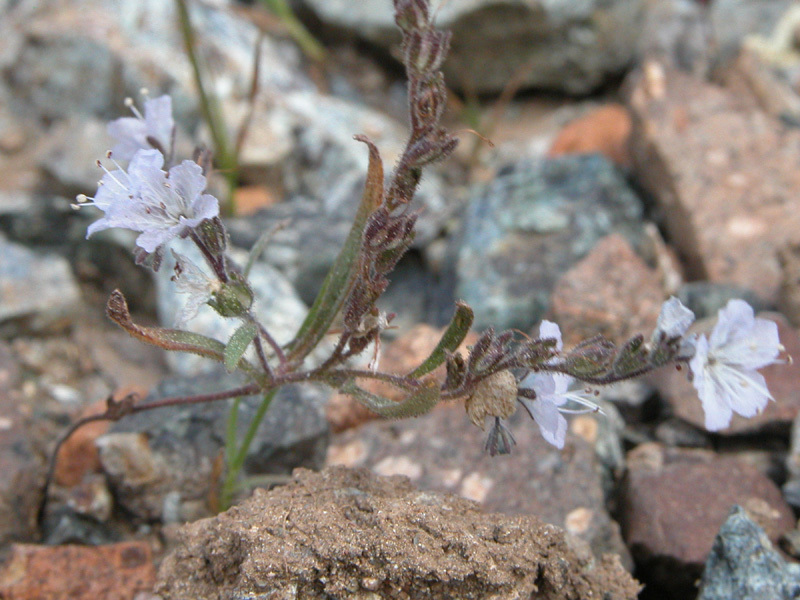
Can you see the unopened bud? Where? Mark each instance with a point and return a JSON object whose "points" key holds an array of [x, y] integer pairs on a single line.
{"points": [[232, 299], [411, 14], [425, 51]]}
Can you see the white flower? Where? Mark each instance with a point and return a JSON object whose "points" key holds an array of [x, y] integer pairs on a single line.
{"points": [[153, 130], [674, 319], [724, 367], [191, 280], [552, 395], [160, 205]]}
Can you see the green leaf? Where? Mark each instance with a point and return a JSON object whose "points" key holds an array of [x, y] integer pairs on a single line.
{"points": [[174, 340], [418, 403], [238, 344], [340, 278], [453, 337]]}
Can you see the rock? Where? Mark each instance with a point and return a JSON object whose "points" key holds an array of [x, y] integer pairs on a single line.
{"points": [[789, 298], [531, 224], [557, 45], [791, 489], [681, 397], [39, 293], [118, 571], [443, 451], [743, 564], [676, 32], [705, 299], [402, 355], [351, 534], [161, 463], [91, 55], [69, 159], [721, 174], [67, 526], [674, 502], [78, 455], [276, 305], [732, 20], [610, 292], [21, 463], [604, 130]]}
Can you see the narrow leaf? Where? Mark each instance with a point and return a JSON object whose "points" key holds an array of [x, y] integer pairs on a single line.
{"points": [[237, 345], [418, 403], [456, 331], [174, 340], [339, 280]]}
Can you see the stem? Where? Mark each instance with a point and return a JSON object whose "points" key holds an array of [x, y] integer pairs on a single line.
{"points": [[263, 358], [209, 105], [236, 463], [276, 347], [310, 46]]}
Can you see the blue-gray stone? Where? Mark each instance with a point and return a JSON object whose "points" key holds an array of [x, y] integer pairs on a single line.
{"points": [[531, 224], [743, 565]]}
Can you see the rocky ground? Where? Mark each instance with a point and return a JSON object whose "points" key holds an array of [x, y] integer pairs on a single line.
{"points": [[651, 148]]}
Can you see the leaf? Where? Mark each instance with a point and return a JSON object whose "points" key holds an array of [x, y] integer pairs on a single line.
{"points": [[340, 278], [237, 345], [418, 403], [452, 338], [174, 340]]}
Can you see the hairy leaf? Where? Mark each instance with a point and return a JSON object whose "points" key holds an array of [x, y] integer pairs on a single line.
{"points": [[339, 280], [418, 403], [237, 345], [453, 336]]}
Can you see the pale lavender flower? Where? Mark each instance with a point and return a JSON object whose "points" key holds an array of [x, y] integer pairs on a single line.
{"points": [[552, 396], [153, 130], [674, 319], [724, 367], [160, 205], [192, 280]]}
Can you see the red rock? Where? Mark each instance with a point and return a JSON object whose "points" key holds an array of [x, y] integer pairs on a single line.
{"points": [[249, 199], [782, 381], [605, 130], [674, 502], [610, 292], [401, 356], [114, 572], [724, 175]]}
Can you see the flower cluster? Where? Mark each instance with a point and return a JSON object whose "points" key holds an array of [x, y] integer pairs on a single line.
{"points": [[724, 368]]}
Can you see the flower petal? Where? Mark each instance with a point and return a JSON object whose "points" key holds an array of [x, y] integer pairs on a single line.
{"points": [[674, 319], [548, 329], [552, 424]]}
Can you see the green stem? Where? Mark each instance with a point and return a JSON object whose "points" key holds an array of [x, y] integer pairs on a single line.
{"points": [[307, 42], [236, 459], [209, 106]]}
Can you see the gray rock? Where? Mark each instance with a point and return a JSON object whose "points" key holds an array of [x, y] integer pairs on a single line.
{"points": [[676, 31], [732, 20], [161, 463], [69, 159], [556, 44], [743, 565], [705, 298], [38, 292], [531, 224], [791, 489], [85, 57], [276, 305]]}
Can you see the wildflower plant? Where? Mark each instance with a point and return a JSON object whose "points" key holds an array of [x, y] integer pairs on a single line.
{"points": [[501, 370]]}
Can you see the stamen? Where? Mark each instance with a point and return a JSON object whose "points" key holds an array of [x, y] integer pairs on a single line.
{"points": [[110, 174], [130, 104]]}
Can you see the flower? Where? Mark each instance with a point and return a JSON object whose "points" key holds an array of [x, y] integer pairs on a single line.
{"points": [[160, 205], [154, 130], [674, 319], [724, 367], [191, 280], [552, 395]]}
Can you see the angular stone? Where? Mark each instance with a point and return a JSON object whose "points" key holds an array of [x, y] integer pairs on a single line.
{"points": [[118, 572], [724, 176], [164, 464], [733, 20], [781, 379], [743, 564], [676, 32], [560, 45], [674, 502], [444, 451], [343, 533], [38, 294], [611, 292], [604, 130], [532, 223]]}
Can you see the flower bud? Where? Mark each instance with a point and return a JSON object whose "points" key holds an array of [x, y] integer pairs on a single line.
{"points": [[411, 14], [425, 51], [232, 299]]}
